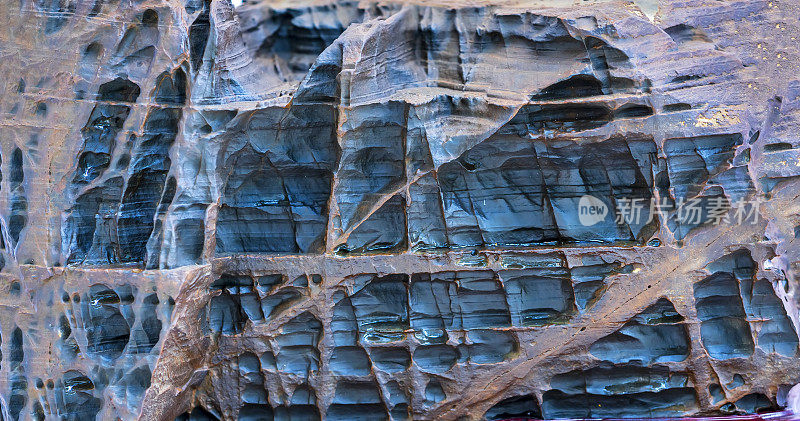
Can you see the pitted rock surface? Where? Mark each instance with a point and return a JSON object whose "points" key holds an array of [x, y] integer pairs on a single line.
{"points": [[358, 210]]}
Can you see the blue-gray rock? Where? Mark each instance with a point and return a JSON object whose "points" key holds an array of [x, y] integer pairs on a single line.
{"points": [[340, 209]]}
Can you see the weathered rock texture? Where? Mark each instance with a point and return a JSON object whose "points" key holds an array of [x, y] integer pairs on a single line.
{"points": [[349, 210]]}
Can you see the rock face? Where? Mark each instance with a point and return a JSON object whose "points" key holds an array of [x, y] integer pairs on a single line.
{"points": [[345, 210]]}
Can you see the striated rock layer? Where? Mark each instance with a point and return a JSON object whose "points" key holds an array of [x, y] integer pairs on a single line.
{"points": [[346, 210]]}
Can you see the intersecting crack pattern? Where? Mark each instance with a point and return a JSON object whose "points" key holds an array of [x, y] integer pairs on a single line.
{"points": [[358, 210]]}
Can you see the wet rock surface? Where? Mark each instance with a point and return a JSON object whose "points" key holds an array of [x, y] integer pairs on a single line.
{"points": [[389, 210]]}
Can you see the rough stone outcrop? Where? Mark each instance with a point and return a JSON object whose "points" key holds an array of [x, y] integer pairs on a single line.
{"points": [[344, 210]]}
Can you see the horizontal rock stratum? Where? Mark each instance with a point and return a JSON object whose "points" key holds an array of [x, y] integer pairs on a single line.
{"points": [[427, 210]]}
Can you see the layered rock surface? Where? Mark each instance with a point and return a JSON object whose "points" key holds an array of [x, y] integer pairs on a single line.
{"points": [[371, 210]]}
